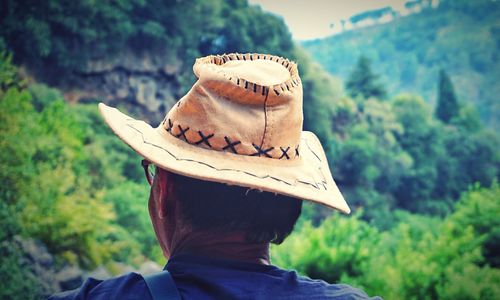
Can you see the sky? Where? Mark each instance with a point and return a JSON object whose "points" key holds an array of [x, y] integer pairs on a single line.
{"points": [[309, 19]]}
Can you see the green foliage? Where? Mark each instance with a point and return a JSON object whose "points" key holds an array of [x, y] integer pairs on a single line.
{"points": [[395, 154], [447, 105], [420, 258], [362, 82], [55, 37], [129, 201], [479, 208], [8, 72], [335, 249], [421, 139], [42, 161], [17, 281], [470, 157], [112, 162], [60, 168], [35, 33], [458, 36], [247, 28]]}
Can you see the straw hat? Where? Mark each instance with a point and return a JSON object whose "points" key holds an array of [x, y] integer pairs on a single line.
{"points": [[240, 124]]}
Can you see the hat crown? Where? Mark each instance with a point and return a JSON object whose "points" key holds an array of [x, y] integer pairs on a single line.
{"points": [[246, 104]]}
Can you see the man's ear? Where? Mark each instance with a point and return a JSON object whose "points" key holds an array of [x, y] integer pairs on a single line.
{"points": [[165, 202]]}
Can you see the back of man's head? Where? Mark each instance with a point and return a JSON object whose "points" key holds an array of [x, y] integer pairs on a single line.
{"points": [[221, 208]]}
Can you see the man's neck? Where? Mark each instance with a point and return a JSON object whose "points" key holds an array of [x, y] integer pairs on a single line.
{"points": [[226, 246]]}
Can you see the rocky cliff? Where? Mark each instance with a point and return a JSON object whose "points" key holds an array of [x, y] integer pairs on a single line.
{"points": [[146, 84]]}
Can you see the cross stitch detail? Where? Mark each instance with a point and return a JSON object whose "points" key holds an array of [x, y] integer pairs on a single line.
{"points": [[182, 132], [170, 125], [230, 145], [204, 139], [284, 153], [261, 151]]}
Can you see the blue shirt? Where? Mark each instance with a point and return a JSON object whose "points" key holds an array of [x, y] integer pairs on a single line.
{"points": [[208, 278]]}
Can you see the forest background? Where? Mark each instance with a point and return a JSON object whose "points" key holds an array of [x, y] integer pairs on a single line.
{"points": [[415, 154]]}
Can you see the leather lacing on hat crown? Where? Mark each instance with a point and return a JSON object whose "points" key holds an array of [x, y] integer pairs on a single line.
{"points": [[230, 145], [292, 82]]}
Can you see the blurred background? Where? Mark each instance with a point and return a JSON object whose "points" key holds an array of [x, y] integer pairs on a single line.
{"points": [[403, 95]]}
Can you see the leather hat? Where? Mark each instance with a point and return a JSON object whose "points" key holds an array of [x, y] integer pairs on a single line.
{"points": [[240, 124]]}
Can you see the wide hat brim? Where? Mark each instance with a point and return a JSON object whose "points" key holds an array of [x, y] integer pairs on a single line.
{"points": [[307, 178]]}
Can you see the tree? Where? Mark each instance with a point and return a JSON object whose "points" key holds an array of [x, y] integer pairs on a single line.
{"points": [[364, 82], [421, 138], [447, 106]]}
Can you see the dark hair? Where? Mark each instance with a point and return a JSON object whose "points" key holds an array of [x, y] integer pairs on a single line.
{"points": [[265, 217]]}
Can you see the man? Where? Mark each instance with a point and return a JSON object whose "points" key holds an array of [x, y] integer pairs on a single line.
{"points": [[231, 166]]}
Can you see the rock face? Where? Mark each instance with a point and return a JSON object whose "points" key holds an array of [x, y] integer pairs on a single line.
{"points": [[41, 265], [39, 262], [146, 85], [69, 278]]}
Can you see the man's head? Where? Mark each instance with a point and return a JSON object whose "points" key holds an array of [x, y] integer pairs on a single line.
{"points": [[240, 125], [180, 205]]}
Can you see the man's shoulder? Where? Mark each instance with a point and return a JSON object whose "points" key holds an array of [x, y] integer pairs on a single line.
{"points": [[324, 290], [128, 286]]}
